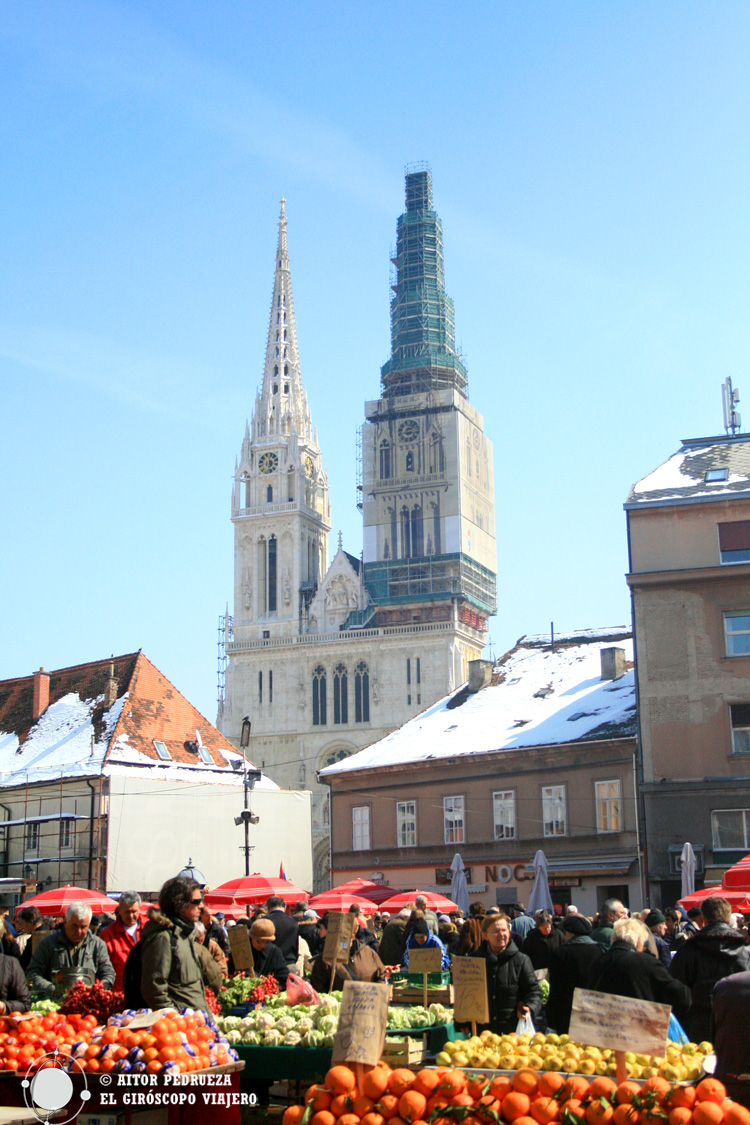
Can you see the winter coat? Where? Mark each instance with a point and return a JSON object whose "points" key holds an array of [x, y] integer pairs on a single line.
{"points": [[310, 932], [603, 934], [269, 962], [393, 942], [119, 943], [171, 980], [287, 933], [363, 964], [217, 933], [663, 950], [568, 970], [521, 927], [433, 942], [623, 971], [731, 1003], [510, 981], [538, 946], [210, 970], [14, 991], [715, 952], [55, 954]]}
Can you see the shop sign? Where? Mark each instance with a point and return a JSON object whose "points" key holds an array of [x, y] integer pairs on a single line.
{"points": [[504, 872], [444, 876], [558, 881]]}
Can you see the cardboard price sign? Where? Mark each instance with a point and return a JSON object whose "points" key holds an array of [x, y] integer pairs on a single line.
{"points": [[619, 1022], [338, 937], [425, 960], [362, 1018], [470, 984], [242, 950]]}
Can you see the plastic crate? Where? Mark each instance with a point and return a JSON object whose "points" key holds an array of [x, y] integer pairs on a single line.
{"points": [[414, 980]]}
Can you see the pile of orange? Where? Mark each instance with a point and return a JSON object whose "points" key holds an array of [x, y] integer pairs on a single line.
{"points": [[444, 1096], [184, 1042]]}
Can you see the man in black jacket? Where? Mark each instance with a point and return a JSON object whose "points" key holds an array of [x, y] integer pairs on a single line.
{"points": [[715, 952], [625, 970], [539, 942], [569, 969], [286, 927]]}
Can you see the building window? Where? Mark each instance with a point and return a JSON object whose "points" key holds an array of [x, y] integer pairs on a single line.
{"points": [[608, 806], [405, 534], [730, 829], [319, 697], [340, 695], [385, 460], [504, 814], [66, 834], [417, 532], [269, 494], [260, 687], [162, 751], [406, 824], [553, 810], [716, 474], [361, 693], [737, 633], [740, 717], [361, 828], [410, 462], [453, 820], [270, 686], [734, 541], [290, 486], [32, 836]]}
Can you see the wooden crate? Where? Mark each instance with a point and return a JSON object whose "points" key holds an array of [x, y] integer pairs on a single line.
{"points": [[406, 1050], [416, 996]]}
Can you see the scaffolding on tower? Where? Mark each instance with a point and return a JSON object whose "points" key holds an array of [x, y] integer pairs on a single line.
{"points": [[225, 635]]}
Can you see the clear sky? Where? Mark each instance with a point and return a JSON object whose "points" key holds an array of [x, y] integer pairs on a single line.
{"points": [[591, 168]]}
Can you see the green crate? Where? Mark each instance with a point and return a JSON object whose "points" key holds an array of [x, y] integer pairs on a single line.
{"points": [[414, 980]]}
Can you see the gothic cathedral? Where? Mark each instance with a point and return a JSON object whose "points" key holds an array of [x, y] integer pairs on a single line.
{"points": [[325, 659]]}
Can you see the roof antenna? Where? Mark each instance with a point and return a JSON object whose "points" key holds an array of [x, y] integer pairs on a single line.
{"points": [[732, 419]]}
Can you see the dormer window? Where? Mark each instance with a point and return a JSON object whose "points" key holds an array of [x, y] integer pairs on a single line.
{"points": [[716, 474], [162, 751], [204, 755]]}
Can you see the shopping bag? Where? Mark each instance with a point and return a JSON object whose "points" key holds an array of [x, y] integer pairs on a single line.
{"points": [[675, 1032], [299, 991], [525, 1026]]}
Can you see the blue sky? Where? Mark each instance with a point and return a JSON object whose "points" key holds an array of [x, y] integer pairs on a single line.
{"points": [[590, 165]]}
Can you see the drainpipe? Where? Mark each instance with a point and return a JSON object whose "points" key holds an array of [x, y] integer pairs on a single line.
{"points": [[91, 833], [642, 839], [7, 843]]}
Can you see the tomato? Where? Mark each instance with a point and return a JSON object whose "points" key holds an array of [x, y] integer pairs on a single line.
{"points": [[10, 1064], [49, 1022]]}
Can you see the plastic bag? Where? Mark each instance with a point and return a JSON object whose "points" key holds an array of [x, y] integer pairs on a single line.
{"points": [[675, 1033], [299, 991], [525, 1026]]}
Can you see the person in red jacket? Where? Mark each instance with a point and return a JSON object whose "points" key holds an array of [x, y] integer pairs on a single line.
{"points": [[123, 933]]}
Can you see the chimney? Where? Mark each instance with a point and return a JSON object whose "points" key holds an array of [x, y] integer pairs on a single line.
{"points": [[480, 674], [613, 663], [110, 691], [40, 699]]}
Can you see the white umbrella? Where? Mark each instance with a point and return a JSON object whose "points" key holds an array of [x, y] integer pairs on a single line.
{"points": [[687, 869], [540, 898], [459, 889]]}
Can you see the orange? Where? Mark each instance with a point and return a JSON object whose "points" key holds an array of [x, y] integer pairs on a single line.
{"points": [[627, 1090], [735, 1114], [292, 1115], [573, 1110], [487, 1103], [478, 1086], [323, 1117], [375, 1082], [387, 1106], [525, 1081], [550, 1081], [360, 1105], [680, 1115], [576, 1086], [599, 1112], [545, 1109], [708, 1113], [319, 1097], [522, 1121], [516, 1104], [452, 1082], [400, 1080], [602, 1087], [372, 1118], [681, 1097], [347, 1119], [500, 1086], [340, 1080], [463, 1098], [426, 1081], [710, 1090], [340, 1104], [659, 1085], [412, 1105]]}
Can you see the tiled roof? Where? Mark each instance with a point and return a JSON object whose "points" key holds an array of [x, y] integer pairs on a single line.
{"points": [[682, 478]]}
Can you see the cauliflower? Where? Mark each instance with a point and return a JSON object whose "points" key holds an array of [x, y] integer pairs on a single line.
{"points": [[286, 1023], [304, 1025], [328, 1024], [251, 1037], [313, 1039], [265, 1021], [328, 1003], [272, 1038], [292, 1039], [234, 1036]]}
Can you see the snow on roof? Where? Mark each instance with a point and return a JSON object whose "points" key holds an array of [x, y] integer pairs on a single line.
{"points": [[682, 477], [63, 740], [177, 771], [544, 698]]}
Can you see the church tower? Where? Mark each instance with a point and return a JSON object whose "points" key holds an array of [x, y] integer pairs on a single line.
{"points": [[427, 481], [280, 506]]}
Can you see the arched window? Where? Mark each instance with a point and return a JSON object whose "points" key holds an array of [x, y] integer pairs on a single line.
{"points": [[394, 532], [340, 695], [410, 462], [285, 333], [319, 696], [361, 693], [267, 570], [290, 484], [436, 528], [385, 460], [260, 687], [278, 302], [436, 455], [276, 371], [405, 534], [417, 532], [286, 369], [269, 494]]}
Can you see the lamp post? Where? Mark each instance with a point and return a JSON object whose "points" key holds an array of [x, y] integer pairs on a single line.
{"points": [[249, 778]]}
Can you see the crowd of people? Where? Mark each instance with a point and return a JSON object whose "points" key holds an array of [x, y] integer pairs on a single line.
{"points": [[697, 962]]}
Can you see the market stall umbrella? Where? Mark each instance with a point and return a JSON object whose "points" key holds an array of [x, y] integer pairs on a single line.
{"points": [[438, 903], [687, 869], [257, 888], [341, 900], [375, 892], [58, 900], [738, 900], [459, 888], [229, 907], [540, 898]]}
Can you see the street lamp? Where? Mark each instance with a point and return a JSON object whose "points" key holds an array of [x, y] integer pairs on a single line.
{"points": [[249, 778]]}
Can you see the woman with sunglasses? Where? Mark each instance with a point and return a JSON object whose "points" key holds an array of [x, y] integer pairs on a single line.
{"points": [[170, 966]]}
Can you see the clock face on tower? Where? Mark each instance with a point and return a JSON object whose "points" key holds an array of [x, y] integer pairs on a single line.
{"points": [[408, 431], [268, 463]]}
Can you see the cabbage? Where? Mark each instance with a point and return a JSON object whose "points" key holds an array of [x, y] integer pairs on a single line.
{"points": [[328, 1024], [419, 1018], [292, 1039], [328, 1041], [286, 1023], [396, 1018], [272, 1038], [265, 1021]]}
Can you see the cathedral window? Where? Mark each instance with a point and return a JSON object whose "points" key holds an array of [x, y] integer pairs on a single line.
{"points": [[285, 333], [270, 686], [278, 302], [276, 388], [436, 455], [361, 693], [278, 318], [286, 386], [267, 575], [286, 368], [260, 687], [394, 533], [340, 695], [276, 371], [290, 485], [284, 318], [319, 696], [385, 460], [436, 528], [272, 575], [269, 494], [405, 534], [410, 462], [417, 532]]}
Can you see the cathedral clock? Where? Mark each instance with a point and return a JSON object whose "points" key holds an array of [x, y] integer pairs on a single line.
{"points": [[408, 431], [268, 463]]}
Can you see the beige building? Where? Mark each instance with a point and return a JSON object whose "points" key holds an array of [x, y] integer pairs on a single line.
{"points": [[324, 659], [537, 752], [689, 543]]}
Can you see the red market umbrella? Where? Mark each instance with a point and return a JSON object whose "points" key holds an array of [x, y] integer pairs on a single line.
{"points": [[57, 901], [375, 892], [341, 900], [229, 907], [438, 903], [738, 900], [737, 877], [256, 888]]}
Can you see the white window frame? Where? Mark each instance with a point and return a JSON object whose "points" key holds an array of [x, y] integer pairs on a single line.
{"points": [[163, 754], [608, 798], [504, 826], [204, 756], [31, 837], [731, 634], [716, 844], [551, 795], [740, 732], [361, 828], [454, 819], [406, 824], [65, 835]]}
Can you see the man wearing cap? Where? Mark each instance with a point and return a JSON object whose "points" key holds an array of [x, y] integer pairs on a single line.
{"points": [[267, 957], [657, 923], [569, 966]]}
